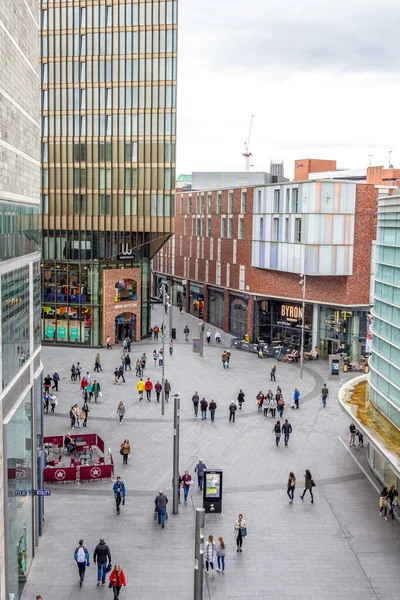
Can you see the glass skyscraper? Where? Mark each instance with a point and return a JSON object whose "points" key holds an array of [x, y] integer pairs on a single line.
{"points": [[108, 71], [21, 433]]}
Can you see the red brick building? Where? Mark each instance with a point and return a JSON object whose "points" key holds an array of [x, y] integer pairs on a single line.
{"points": [[237, 253]]}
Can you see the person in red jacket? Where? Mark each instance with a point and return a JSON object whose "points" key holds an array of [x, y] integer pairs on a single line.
{"points": [[117, 580], [148, 386], [84, 383]]}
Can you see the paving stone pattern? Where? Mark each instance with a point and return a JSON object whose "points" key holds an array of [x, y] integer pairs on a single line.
{"points": [[336, 548]]}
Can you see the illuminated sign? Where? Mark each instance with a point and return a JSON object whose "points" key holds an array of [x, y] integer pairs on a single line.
{"points": [[213, 485], [291, 312]]}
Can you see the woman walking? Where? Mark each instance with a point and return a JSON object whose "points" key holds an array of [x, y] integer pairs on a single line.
{"points": [[221, 554], [73, 373], [277, 430], [308, 485], [383, 502], [265, 406], [171, 347], [117, 580], [97, 363], [186, 482], [125, 451], [77, 415], [85, 412], [210, 553], [291, 484], [240, 532], [393, 499], [155, 356], [72, 417], [121, 411], [260, 399], [272, 407], [240, 398]]}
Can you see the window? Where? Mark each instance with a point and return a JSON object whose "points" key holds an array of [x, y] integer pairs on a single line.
{"points": [[185, 226], [198, 226], [242, 277], [212, 249], [259, 201], [228, 275], [104, 204], [219, 203], [230, 227], [288, 200], [79, 204], [218, 273], [209, 203], [45, 152], [223, 227], [297, 230], [45, 204], [261, 228], [277, 195], [276, 230], [243, 203], [230, 203], [190, 205], [125, 290], [295, 200], [181, 207], [209, 227], [241, 228], [287, 229], [202, 204]]}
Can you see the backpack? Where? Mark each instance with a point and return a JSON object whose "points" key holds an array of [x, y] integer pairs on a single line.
{"points": [[277, 429], [81, 554]]}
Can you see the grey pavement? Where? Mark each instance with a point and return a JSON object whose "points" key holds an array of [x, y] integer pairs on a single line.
{"points": [[336, 548]]}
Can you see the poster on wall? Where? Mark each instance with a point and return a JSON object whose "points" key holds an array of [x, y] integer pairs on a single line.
{"points": [[368, 341]]}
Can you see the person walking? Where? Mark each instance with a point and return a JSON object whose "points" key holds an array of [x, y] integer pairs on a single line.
{"points": [[210, 553], [203, 408], [265, 406], [218, 337], [96, 390], [148, 386], [85, 413], [272, 407], [286, 430], [101, 556], [224, 358], [77, 415], [108, 343], [393, 497], [161, 502], [221, 549], [56, 380], [167, 390], [291, 484], [277, 430], [280, 405], [138, 368], [140, 388], [121, 411], [383, 503], [232, 411], [125, 451], [308, 485], [186, 331], [158, 390], [128, 363], [195, 400], [199, 469], [119, 493], [212, 408], [186, 483], [324, 395], [260, 400], [72, 417], [240, 532], [78, 370], [81, 556], [171, 347], [53, 401], [352, 429], [273, 373], [73, 373], [117, 580], [155, 356], [47, 383], [208, 336], [240, 398], [296, 398], [97, 363]]}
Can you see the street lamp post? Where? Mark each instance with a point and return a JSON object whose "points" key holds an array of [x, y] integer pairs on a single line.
{"points": [[198, 554], [175, 476], [163, 359], [303, 310], [170, 312]]}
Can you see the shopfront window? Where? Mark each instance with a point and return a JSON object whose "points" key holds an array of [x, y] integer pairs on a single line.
{"points": [[125, 290], [18, 432], [286, 323], [179, 294], [215, 314], [238, 310], [197, 301]]}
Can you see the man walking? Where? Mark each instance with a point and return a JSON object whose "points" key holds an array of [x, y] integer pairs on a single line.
{"points": [[203, 408], [119, 493], [81, 556], [232, 410], [296, 397], [272, 374], [212, 408], [200, 468], [140, 388], [286, 430], [352, 430], [186, 331], [161, 502], [324, 394], [167, 389], [195, 400], [148, 386], [100, 555], [158, 389], [56, 379]]}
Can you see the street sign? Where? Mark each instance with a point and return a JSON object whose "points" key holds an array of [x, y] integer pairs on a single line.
{"points": [[42, 492], [21, 493]]}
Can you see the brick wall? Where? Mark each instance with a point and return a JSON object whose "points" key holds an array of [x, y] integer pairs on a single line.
{"points": [[112, 309], [304, 166]]}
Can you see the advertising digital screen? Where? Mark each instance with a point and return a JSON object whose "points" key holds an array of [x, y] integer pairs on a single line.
{"points": [[213, 485]]}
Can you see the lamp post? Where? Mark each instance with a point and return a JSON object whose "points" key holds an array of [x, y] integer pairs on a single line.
{"points": [[303, 310], [163, 359], [170, 311], [175, 476], [198, 554]]}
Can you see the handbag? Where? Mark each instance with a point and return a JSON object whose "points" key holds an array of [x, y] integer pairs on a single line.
{"points": [[243, 531], [121, 452], [312, 483], [110, 584], [108, 568], [82, 415]]}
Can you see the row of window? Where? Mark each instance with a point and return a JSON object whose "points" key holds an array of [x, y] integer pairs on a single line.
{"points": [[282, 236], [154, 205], [123, 15], [218, 272], [388, 293], [118, 178], [117, 125], [116, 70], [98, 98], [226, 227], [100, 44], [291, 204], [116, 151], [199, 208]]}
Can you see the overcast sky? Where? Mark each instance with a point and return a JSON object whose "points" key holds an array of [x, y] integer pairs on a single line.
{"points": [[321, 77]]}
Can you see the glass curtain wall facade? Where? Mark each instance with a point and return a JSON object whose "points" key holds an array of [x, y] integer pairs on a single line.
{"points": [[108, 153], [384, 378]]}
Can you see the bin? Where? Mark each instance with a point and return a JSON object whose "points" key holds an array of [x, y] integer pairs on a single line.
{"points": [[173, 332]]}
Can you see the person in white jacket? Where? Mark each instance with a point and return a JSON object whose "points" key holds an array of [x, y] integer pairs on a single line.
{"points": [[210, 553]]}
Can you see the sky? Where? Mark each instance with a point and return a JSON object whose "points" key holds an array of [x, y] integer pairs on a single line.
{"points": [[321, 77]]}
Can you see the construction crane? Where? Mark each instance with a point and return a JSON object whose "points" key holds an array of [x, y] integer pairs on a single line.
{"points": [[247, 152]]}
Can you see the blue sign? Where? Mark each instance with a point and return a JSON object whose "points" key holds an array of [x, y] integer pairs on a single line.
{"points": [[21, 492], [42, 492]]}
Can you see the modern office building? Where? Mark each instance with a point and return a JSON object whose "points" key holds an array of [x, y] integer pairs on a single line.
{"points": [[21, 434], [108, 158], [237, 255]]}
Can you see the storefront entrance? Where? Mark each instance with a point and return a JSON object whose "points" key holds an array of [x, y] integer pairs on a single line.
{"points": [[215, 314], [125, 326]]}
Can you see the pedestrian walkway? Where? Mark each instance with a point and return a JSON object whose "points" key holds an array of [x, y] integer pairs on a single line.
{"points": [[336, 548]]}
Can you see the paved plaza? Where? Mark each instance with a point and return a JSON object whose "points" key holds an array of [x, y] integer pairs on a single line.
{"points": [[336, 548]]}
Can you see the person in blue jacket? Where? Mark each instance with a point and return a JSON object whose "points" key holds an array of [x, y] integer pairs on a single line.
{"points": [[119, 493], [81, 555], [296, 397]]}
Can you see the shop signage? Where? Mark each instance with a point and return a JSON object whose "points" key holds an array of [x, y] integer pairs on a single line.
{"points": [[130, 305], [50, 331], [291, 312], [42, 492], [62, 332], [126, 253], [74, 333]]}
